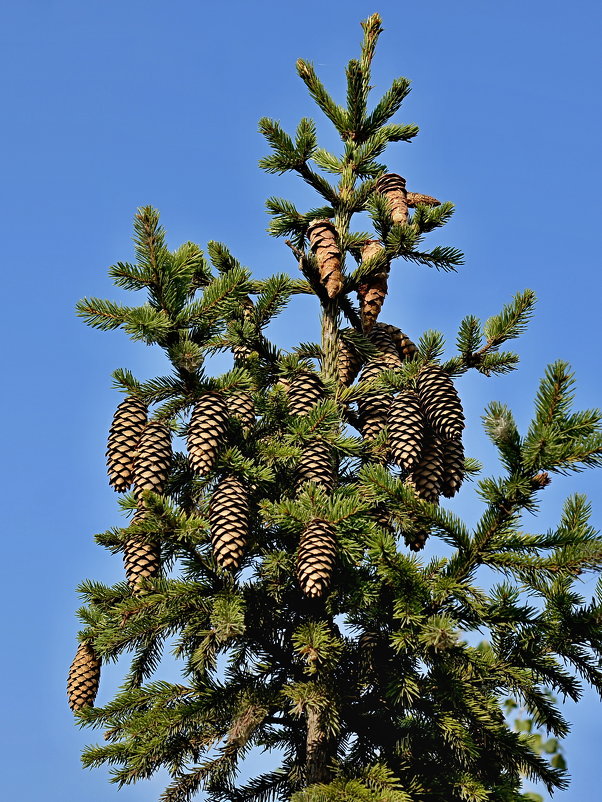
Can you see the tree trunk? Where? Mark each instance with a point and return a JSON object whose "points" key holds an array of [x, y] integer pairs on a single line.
{"points": [[317, 750]]}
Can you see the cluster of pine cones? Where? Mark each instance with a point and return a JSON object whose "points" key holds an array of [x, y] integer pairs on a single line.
{"points": [[424, 425], [372, 289], [139, 454]]}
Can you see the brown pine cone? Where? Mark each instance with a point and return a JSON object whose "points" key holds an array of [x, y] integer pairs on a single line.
{"points": [[453, 467], [373, 409], [153, 459], [393, 186], [416, 538], [372, 291], [242, 406], [316, 558], [229, 522], [382, 517], [380, 336], [427, 474], [141, 558], [141, 561], [316, 465], [124, 435], [323, 240], [406, 426], [349, 361], [440, 402], [306, 389], [405, 347], [84, 678], [206, 432]]}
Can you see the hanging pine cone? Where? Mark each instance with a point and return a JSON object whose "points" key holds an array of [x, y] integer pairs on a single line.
{"points": [[453, 467], [206, 431], [349, 361], [84, 677], [415, 198], [306, 389], [393, 186], [405, 347], [229, 522], [373, 409], [316, 557], [440, 402], [427, 475], [380, 336], [125, 432], [406, 427], [242, 407], [316, 465], [417, 537], [141, 559], [382, 517], [153, 459], [372, 291], [323, 241]]}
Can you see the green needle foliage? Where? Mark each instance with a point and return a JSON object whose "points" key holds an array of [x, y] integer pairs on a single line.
{"points": [[372, 690]]}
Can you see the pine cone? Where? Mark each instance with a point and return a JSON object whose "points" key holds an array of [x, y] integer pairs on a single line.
{"points": [[349, 361], [316, 465], [415, 198], [427, 474], [124, 435], [229, 522], [372, 291], [453, 467], [440, 402], [315, 558], [323, 241], [406, 427], [84, 677], [380, 336], [416, 539], [305, 391], [153, 459], [242, 406], [394, 187], [382, 517], [405, 347], [141, 559], [373, 409], [206, 431]]}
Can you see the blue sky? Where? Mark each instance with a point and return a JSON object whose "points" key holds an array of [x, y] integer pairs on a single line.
{"points": [[112, 105]]}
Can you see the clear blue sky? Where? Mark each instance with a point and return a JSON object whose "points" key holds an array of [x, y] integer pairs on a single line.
{"points": [[115, 104]]}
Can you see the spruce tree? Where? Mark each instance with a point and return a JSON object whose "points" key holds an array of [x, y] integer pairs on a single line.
{"points": [[282, 551]]}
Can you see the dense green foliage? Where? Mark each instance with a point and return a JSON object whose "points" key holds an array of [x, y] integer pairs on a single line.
{"points": [[388, 669]]}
